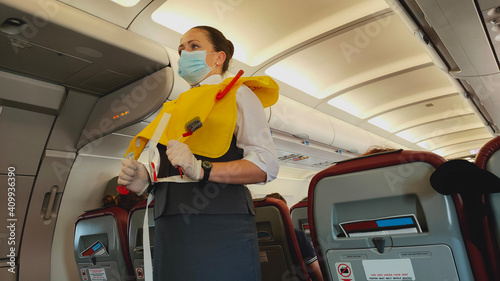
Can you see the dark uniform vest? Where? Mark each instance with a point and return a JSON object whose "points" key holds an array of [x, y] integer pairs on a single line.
{"points": [[197, 198]]}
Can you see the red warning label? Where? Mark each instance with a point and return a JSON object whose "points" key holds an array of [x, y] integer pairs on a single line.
{"points": [[344, 271]]}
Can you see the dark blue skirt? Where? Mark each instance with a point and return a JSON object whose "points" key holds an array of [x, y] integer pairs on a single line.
{"points": [[210, 247]]}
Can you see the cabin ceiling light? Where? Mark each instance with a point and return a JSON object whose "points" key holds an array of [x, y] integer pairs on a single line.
{"points": [[407, 136], [293, 76], [345, 104], [126, 3], [13, 26], [496, 24], [381, 122]]}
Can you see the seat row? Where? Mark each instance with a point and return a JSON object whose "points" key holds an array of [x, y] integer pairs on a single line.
{"points": [[108, 243], [378, 217], [406, 215]]}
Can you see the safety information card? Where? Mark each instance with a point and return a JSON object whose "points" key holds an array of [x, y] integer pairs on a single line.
{"points": [[392, 269]]}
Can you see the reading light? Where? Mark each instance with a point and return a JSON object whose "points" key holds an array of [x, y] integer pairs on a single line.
{"points": [[12, 26], [496, 24], [494, 12]]}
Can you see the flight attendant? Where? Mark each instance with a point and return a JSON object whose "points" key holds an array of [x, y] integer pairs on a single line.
{"points": [[204, 217]]}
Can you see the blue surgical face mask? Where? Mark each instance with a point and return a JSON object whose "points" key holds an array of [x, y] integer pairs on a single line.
{"points": [[192, 66]]}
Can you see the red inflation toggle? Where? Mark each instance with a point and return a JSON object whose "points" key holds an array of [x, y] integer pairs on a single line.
{"points": [[220, 95], [122, 190]]}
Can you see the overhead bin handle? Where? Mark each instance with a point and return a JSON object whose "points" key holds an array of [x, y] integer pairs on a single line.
{"points": [[48, 203]]}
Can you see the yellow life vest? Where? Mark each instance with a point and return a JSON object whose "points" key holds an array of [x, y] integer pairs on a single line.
{"points": [[218, 117]]}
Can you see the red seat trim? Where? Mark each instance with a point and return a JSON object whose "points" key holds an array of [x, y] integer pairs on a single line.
{"points": [[486, 151], [299, 205], [481, 161]]}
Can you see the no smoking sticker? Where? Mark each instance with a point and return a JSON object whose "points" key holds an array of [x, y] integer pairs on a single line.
{"points": [[344, 271]]}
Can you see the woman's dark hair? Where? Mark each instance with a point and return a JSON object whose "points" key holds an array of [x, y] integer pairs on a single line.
{"points": [[220, 43]]}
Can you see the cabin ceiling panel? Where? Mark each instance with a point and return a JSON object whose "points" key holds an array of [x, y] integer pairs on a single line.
{"points": [[491, 17], [484, 93], [351, 57], [249, 25], [459, 26], [488, 4], [62, 44], [394, 92], [109, 10], [22, 56], [461, 147], [445, 126], [422, 112], [459, 137]]}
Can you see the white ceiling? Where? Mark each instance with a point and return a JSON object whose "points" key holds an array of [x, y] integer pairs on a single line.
{"points": [[352, 59]]}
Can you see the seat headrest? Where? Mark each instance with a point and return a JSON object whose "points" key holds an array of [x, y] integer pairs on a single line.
{"points": [[464, 177]]}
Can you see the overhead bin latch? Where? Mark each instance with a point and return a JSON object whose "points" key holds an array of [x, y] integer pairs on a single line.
{"points": [[379, 243]]}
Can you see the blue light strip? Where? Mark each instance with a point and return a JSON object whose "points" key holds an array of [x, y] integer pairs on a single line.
{"points": [[395, 222]]}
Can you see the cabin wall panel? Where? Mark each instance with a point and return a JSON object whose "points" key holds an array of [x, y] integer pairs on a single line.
{"points": [[23, 138], [22, 189], [6, 275], [30, 94], [70, 123], [97, 163], [42, 213]]}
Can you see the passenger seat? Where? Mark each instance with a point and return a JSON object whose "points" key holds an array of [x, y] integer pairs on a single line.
{"points": [[101, 245], [135, 226], [378, 216], [488, 158], [298, 213], [280, 256]]}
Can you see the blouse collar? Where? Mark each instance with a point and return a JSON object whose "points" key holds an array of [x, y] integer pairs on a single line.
{"points": [[212, 79]]}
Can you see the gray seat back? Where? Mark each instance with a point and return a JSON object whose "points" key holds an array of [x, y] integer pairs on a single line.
{"points": [[378, 217], [280, 256], [298, 213], [100, 245], [135, 236]]}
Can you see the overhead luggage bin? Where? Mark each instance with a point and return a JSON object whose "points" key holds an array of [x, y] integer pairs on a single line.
{"points": [[378, 218], [280, 257], [135, 237], [100, 245]]}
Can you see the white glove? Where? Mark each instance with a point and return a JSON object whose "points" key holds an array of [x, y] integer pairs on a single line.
{"points": [[180, 155], [134, 176]]}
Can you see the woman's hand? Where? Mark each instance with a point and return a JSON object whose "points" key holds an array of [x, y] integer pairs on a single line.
{"points": [[180, 155], [133, 176]]}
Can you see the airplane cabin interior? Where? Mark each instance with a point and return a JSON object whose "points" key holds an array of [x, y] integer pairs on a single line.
{"points": [[421, 78]]}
